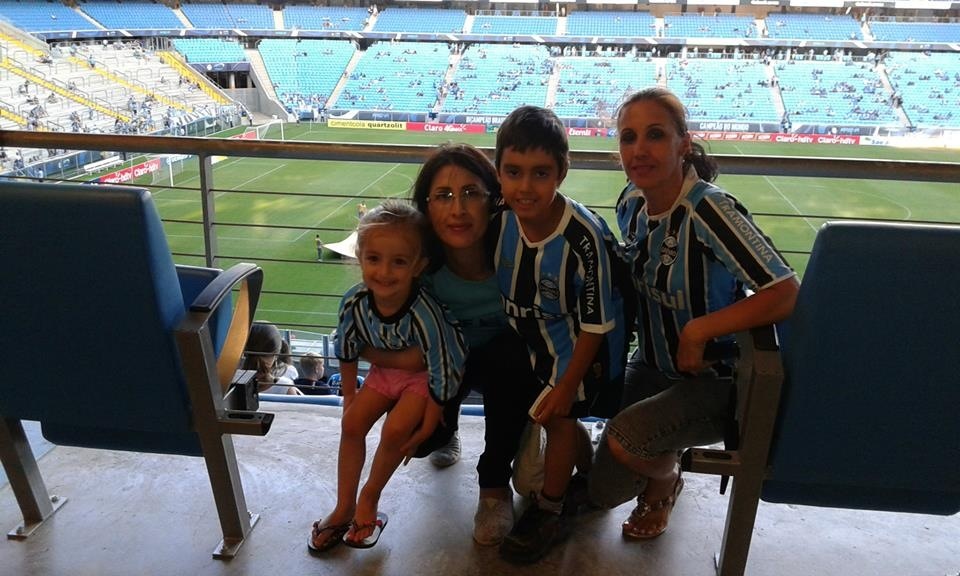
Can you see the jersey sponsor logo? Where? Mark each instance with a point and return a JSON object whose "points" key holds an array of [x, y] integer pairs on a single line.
{"points": [[534, 312], [666, 299], [590, 275], [668, 250], [748, 232]]}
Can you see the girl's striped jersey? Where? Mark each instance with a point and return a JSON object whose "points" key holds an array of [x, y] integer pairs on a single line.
{"points": [[557, 287], [693, 259], [422, 322]]}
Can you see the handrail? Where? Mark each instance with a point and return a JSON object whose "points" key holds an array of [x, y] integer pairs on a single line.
{"points": [[899, 170]]}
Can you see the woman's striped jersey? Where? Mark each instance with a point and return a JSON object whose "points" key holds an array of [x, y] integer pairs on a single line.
{"points": [[693, 259]]}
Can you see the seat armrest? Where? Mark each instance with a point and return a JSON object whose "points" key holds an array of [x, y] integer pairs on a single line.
{"points": [[217, 290], [250, 279]]}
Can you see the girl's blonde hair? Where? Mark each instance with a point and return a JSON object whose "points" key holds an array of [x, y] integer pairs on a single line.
{"points": [[392, 212]]}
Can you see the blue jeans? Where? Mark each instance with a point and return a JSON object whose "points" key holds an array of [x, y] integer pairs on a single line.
{"points": [[660, 415]]}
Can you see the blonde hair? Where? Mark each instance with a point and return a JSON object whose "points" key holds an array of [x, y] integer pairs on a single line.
{"points": [[392, 213]]}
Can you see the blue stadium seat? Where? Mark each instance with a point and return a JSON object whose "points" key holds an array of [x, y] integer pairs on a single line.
{"points": [[123, 344], [867, 390]]}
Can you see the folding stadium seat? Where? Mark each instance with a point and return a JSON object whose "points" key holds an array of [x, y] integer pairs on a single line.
{"points": [[867, 390], [140, 354]]}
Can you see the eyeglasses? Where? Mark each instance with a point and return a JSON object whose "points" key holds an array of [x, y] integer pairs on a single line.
{"points": [[469, 197]]}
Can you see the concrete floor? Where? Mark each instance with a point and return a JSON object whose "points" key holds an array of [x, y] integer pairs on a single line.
{"points": [[154, 515]]}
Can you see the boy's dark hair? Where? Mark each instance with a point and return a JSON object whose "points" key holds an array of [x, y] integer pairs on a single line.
{"points": [[532, 127]]}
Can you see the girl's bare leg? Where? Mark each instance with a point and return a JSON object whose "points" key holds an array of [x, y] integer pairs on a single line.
{"points": [[402, 420]]}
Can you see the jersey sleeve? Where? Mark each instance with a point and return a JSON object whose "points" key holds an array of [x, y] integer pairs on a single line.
{"points": [[595, 305], [444, 347], [346, 345], [725, 225]]}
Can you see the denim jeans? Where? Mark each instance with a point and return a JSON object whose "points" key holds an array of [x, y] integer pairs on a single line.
{"points": [[660, 415]]}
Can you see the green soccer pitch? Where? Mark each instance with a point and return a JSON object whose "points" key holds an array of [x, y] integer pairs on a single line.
{"points": [[257, 199]]}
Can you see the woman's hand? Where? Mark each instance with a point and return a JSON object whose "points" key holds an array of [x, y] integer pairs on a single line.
{"points": [[690, 354]]}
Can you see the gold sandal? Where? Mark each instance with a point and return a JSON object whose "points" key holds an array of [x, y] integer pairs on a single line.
{"points": [[634, 526]]}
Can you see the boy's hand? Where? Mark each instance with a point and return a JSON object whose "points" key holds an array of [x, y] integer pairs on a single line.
{"points": [[431, 417], [556, 404]]}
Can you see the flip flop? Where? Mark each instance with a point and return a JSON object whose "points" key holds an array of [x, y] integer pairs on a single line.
{"points": [[370, 541], [337, 531]]}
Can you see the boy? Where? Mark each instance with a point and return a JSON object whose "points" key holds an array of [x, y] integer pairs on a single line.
{"points": [[555, 274]]}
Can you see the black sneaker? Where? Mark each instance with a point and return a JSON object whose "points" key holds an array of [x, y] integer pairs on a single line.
{"points": [[533, 535], [577, 500]]}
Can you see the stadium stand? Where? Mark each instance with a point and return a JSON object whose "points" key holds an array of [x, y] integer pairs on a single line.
{"points": [[513, 25], [928, 85], [400, 76], [593, 86], [915, 31], [324, 18], [131, 15], [213, 50], [723, 89], [420, 20], [611, 24], [831, 93], [496, 78], [40, 16], [241, 16], [317, 66], [708, 26], [813, 27]]}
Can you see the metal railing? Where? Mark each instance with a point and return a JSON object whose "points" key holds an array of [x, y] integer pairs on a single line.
{"points": [[205, 149]]}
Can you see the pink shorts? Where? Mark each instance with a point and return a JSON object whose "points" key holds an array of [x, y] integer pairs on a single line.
{"points": [[394, 383]]}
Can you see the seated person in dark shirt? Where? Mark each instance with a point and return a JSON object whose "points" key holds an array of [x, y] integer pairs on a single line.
{"points": [[312, 380]]}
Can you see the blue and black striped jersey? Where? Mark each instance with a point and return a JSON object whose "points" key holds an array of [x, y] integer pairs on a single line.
{"points": [[693, 259], [422, 322], [557, 287]]}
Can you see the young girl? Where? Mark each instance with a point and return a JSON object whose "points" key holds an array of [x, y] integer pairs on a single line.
{"points": [[388, 310]]}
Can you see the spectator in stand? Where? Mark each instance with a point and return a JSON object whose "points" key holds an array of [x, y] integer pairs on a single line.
{"points": [[312, 380], [269, 354]]}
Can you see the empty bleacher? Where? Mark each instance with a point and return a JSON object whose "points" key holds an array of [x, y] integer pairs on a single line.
{"points": [[324, 18], [611, 24], [420, 20], [915, 31], [514, 25], [131, 15], [209, 50], [813, 27], [242, 16], [708, 26], [40, 16]]}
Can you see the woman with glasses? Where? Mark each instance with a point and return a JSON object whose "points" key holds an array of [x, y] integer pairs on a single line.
{"points": [[457, 189]]}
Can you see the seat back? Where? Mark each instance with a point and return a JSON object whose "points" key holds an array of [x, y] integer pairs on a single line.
{"points": [[90, 301], [868, 412]]}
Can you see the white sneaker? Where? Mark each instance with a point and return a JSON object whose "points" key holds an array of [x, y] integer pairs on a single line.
{"points": [[493, 521], [448, 454]]}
